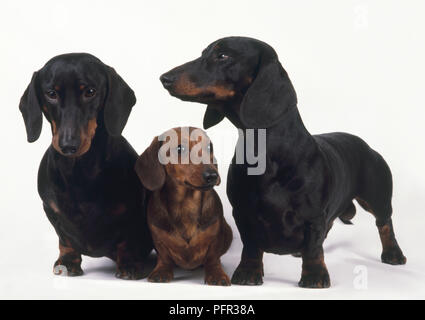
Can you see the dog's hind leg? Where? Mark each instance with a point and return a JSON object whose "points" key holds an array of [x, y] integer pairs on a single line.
{"points": [[391, 252], [375, 197], [348, 214]]}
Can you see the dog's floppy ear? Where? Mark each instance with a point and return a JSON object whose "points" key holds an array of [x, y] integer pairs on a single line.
{"points": [[150, 171], [212, 117], [269, 96], [31, 111], [119, 101]]}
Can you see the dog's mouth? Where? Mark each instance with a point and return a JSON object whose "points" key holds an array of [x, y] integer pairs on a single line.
{"points": [[185, 89], [200, 97], [201, 188]]}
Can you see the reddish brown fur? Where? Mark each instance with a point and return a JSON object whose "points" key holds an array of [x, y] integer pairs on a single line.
{"points": [[187, 224]]}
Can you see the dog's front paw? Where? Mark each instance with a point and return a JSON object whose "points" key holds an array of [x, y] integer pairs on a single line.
{"points": [[161, 275], [248, 275], [315, 280], [217, 279], [67, 268], [394, 256], [134, 271]]}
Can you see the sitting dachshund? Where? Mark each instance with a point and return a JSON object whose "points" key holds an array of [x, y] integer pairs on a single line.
{"points": [[308, 182], [86, 180], [185, 215]]}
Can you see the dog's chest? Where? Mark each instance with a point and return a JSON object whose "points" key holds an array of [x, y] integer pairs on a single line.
{"points": [[273, 209], [85, 221], [187, 245]]}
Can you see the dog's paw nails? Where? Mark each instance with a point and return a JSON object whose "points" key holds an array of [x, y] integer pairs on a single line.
{"points": [[131, 272], [248, 276], [315, 281], [70, 269], [217, 280], [394, 257], [161, 276]]}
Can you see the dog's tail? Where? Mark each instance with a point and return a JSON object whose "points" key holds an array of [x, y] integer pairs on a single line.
{"points": [[348, 214]]}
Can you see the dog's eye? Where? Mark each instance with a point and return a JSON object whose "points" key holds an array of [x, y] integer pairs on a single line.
{"points": [[222, 56], [210, 148], [180, 148], [90, 92], [52, 94]]}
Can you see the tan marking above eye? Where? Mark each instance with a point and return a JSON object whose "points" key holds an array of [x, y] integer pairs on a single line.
{"points": [[57, 88], [82, 86]]}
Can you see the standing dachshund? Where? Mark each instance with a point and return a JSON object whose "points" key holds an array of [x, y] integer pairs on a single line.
{"points": [[90, 192], [185, 214], [309, 181]]}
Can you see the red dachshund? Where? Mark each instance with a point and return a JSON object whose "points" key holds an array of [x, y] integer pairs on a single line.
{"points": [[185, 214]]}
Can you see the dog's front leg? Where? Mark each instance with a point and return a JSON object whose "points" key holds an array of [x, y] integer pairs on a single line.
{"points": [[163, 271], [129, 265], [314, 272], [214, 273], [69, 261], [250, 270]]}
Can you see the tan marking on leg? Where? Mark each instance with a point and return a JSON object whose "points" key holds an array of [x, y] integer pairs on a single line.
{"points": [[54, 207], [385, 235], [65, 250]]}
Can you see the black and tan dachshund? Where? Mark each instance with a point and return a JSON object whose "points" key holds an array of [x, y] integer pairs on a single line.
{"points": [[86, 180], [185, 214], [309, 180]]}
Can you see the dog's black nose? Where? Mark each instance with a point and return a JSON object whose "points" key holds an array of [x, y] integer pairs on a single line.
{"points": [[69, 141], [167, 79], [210, 176], [69, 150]]}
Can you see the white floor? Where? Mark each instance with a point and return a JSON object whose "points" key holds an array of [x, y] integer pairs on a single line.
{"points": [[351, 253]]}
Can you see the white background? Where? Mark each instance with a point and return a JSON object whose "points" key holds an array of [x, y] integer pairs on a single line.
{"points": [[357, 67]]}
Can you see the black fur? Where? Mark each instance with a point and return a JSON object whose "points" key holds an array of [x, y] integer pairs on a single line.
{"points": [[309, 180], [90, 191]]}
